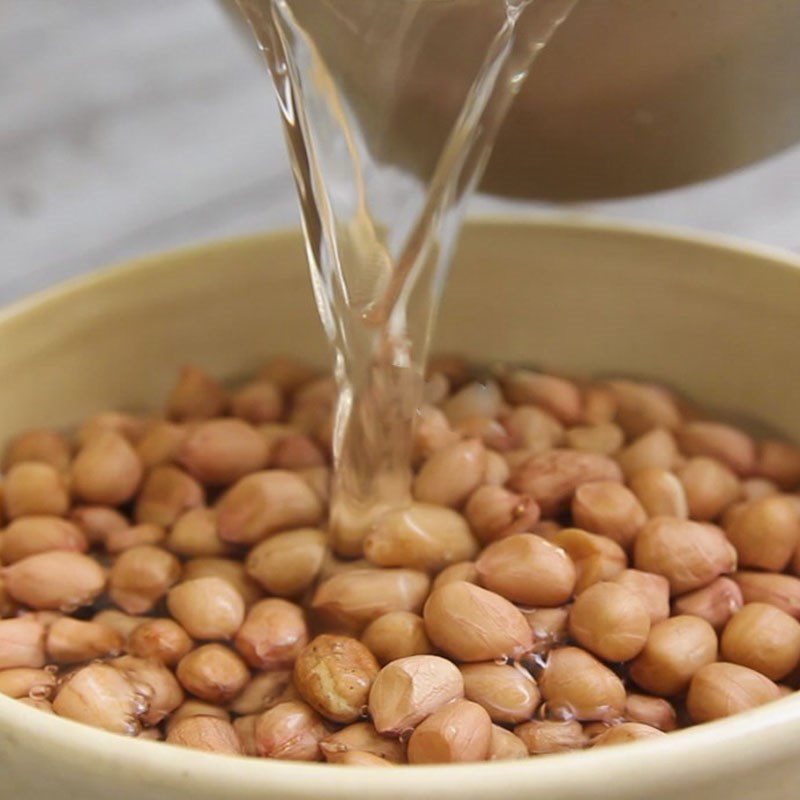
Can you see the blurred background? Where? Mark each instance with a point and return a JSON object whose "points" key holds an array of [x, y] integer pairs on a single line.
{"points": [[132, 127]]}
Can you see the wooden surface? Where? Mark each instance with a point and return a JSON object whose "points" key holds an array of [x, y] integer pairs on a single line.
{"points": [[130, 126]]}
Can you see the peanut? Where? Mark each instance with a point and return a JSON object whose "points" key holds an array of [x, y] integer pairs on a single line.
{"points": [[719, 690], [273, 634], [287, 563], [459, 732], [397, 634], [715, 603]]}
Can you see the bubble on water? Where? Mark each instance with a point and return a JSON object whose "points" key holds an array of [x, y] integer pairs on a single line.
{"points": [[562, 712], [51, 668], [503, 661], [40, 692], [405, 735], [132, 727], [535, 663], [69, 608], [364, 711]]}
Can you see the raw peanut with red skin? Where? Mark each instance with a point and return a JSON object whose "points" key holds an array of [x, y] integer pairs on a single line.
{"points": [[533, 429], [266, 502], [651, 589], [290, 731], [334, 675], [351, 600], [600, 404], [286, 564], [167, 493], [22, 643], [780, 463], [432, 433], [123, 624], [196, 396], [505, 746], [491, 432], [207, 608], [497, 471], [660, 492], [436, 388], [107, 470], [559, 396], [359, 758], [57, 579], [763, 638], [195, 708], [723, 442], [408, 690], [265, 691], [161, 444], [161, 639], [642, 407], [194, 535], [27, 536], [129, 426], [509, 694], [715, 603], [626, 732], [782, 591], [688, 554], [232, 571], [70, 641], [527, 569], [494, 512], [549, 626], [98, 522], [542, 737], [765, 533], [576, 684], [420, 536], [605, 438], [474, 400], [398, 634], [363, 738], [719, 690], [297, 451], [463, 571], [609, 509], [273, 634], [459, 732], [258, 402], [654, 711], [610, 621], [656, 449], [206, 733], [710, 487], [676, 649], [212, 672], [20, 682], [472, 624], [450, 475], [756, 488], [141, 576], [164, 693], [596, 558], [288, 374], [119, 541], [38, 444], [552, 478], [34, 489]]}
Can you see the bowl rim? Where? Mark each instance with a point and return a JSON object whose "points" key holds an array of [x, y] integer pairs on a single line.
{"points": [[732, 745]]}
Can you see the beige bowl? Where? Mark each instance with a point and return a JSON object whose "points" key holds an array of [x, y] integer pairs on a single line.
{"points": [[718, 320]]}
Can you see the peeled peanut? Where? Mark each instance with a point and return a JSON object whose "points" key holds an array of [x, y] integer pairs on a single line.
{"points": [[107, 470], [39, 444], [166, 494], [334, 675], [351, 600], [450, 475], [141, 576], [161, 639], [533, 429], [57, 579], [72, 640], [508, 693], [766, 533], [227, 568], [34, 488], [459, 732], [207, 608], [432, 432], [723, 442], [710, 487], [408, 690], [505, 746], [286, 564], [720, 690], [676, 649], [163, 691], [101, 696], [782, 591], [363, 738], [779, 462], [644, 406], [212, 672], [196, 396], [161, 444], [205, 733], [715, 603], [291, 731], [551, 478], [474, 400], [653, 711], [265, 691], [494, 512], [605, 438], [542, 737], [609, 509], [273, 634], [472, 624], [656, 449], [575, 685], [265, 502], [491, 432], [22, 643], [651, 589], [25, 682], [28, 536], [688, 554], [420, 536], [610, 621], [98, 522], [626, 732], [660, 492], [221, 451], [763, 638], [258, 402], [397, 634], [194, 535], [527, 569]]}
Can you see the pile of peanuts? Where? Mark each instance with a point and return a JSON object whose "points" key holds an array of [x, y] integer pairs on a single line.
{"points": [[584, 564]]}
